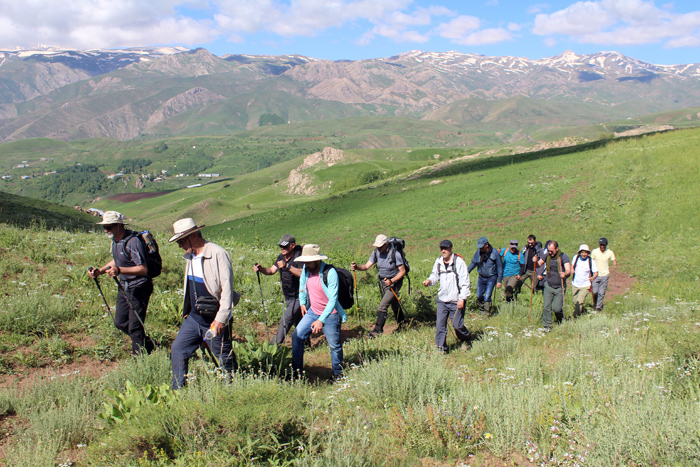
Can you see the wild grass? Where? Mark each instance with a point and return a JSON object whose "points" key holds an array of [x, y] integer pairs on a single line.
{"points": [[612, 388]]}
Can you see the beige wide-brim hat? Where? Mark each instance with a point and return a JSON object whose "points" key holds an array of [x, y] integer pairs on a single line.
{"points": [[380, 241], [311, 253], [183, 228], [112, 217], [584, 247]]}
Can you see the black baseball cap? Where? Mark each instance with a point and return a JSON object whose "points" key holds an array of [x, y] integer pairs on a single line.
{"points": [[603, 241], [445, 244]]}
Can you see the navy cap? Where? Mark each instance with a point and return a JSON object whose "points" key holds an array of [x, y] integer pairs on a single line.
{"points": [[445, 244], [603, 241], [481, 242]]}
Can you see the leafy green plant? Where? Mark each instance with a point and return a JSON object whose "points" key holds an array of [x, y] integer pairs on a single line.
{"points": [[121, 407], [262, 357]]}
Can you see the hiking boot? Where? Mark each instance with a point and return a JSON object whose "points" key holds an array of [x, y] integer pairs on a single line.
{"points": [[373, 334], [487, 308], [335, 378], [466, 345], [547, 329]]}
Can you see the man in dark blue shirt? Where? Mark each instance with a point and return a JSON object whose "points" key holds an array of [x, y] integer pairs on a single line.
{"points": [[490, 267], [130, 265]]}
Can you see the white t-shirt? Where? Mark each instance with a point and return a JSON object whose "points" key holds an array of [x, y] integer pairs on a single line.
{"points": [[582, 271]]}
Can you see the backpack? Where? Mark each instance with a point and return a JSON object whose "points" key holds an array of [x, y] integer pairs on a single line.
{"points": [[154, 263], [590, 266], [454, 268], [345, 285], [398, 244]]}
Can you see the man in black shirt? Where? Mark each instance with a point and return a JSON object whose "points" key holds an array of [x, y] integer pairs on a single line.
{"points": [[290, 271], [527, 270], [130, 265], [557, 267]]}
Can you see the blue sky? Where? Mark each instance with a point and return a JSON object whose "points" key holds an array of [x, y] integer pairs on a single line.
{"points": [[656, 32]]}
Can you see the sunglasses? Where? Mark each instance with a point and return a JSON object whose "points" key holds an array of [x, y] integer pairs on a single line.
{"points": [[109, 227]]}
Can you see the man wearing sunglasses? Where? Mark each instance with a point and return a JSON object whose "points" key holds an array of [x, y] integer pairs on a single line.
{"points": [[290, 271], [129, 265]]}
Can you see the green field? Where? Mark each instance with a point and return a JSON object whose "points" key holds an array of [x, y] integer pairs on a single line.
{"points": [[613, 388]]}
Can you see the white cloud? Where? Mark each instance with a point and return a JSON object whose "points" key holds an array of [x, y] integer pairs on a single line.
{"points": [[458, 27], [621, 22], [397, 25], [485, 36], [99, 23], [537, 8], [464, 30], [514, 27]]}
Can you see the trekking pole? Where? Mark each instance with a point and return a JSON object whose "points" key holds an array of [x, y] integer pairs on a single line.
{"points": [[563, 291], [131, 308], [262, 299], [398, 300], [357, 298], [103, 295], [211, 354], [532, 293]]}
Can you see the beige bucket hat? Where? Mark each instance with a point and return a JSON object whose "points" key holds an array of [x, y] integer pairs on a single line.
{"points": [[112, 217], [311, 253], [184, 227]]}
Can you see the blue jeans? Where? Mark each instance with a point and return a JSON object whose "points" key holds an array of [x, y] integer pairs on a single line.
{"points": [[331, 329], [484, 288], [445, 311], [189, 339]]}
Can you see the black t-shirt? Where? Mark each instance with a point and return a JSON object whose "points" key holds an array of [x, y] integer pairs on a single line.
{"points": [[553, 278], [529, 254], [127, 253], [290, 282]]}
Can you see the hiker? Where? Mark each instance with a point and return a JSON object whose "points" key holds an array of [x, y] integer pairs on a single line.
{"points": [[490, 268], [129, 265], [513, 263], [289, 271], [585, 270], [391, 272], [321, 310], [554, 277], [602, 257], [530, 254], [451, 271], [208, 299]]}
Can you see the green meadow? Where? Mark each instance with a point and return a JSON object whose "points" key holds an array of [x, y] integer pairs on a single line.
{"points": [[621, 387]]}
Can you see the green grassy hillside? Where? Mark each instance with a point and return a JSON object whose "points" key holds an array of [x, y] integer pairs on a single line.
{"points": [[25, 212], [621, 190], [613, 388]]}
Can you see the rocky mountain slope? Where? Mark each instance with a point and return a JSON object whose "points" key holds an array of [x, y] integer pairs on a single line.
{"points": [[139, 92]]}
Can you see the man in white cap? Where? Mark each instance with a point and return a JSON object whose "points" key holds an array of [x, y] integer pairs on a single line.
{"points": [[391, 272], [289, 271], [209, 298], [321, 310], [130, 266], [585, 270]]}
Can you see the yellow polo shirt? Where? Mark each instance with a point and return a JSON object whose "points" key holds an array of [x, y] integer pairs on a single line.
{"points": [[602, 260]]}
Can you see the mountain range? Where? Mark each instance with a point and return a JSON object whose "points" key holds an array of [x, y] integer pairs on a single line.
{"points": [[159, 92]]}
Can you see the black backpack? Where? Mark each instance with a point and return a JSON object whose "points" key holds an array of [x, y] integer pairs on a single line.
{"points": [[154, 263], [345, 285], [398, 245], [590, 266]]}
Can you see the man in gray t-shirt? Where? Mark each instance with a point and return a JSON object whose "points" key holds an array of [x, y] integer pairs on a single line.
{"points": [[391, 271]]}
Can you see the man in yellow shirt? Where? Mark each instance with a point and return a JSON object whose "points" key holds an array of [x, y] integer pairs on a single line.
{"points": [[602, 257]]}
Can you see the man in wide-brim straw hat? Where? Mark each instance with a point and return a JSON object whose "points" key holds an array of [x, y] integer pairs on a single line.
{"points": [[209, 298], [585, 270], [130, 265], [318, 296]]}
